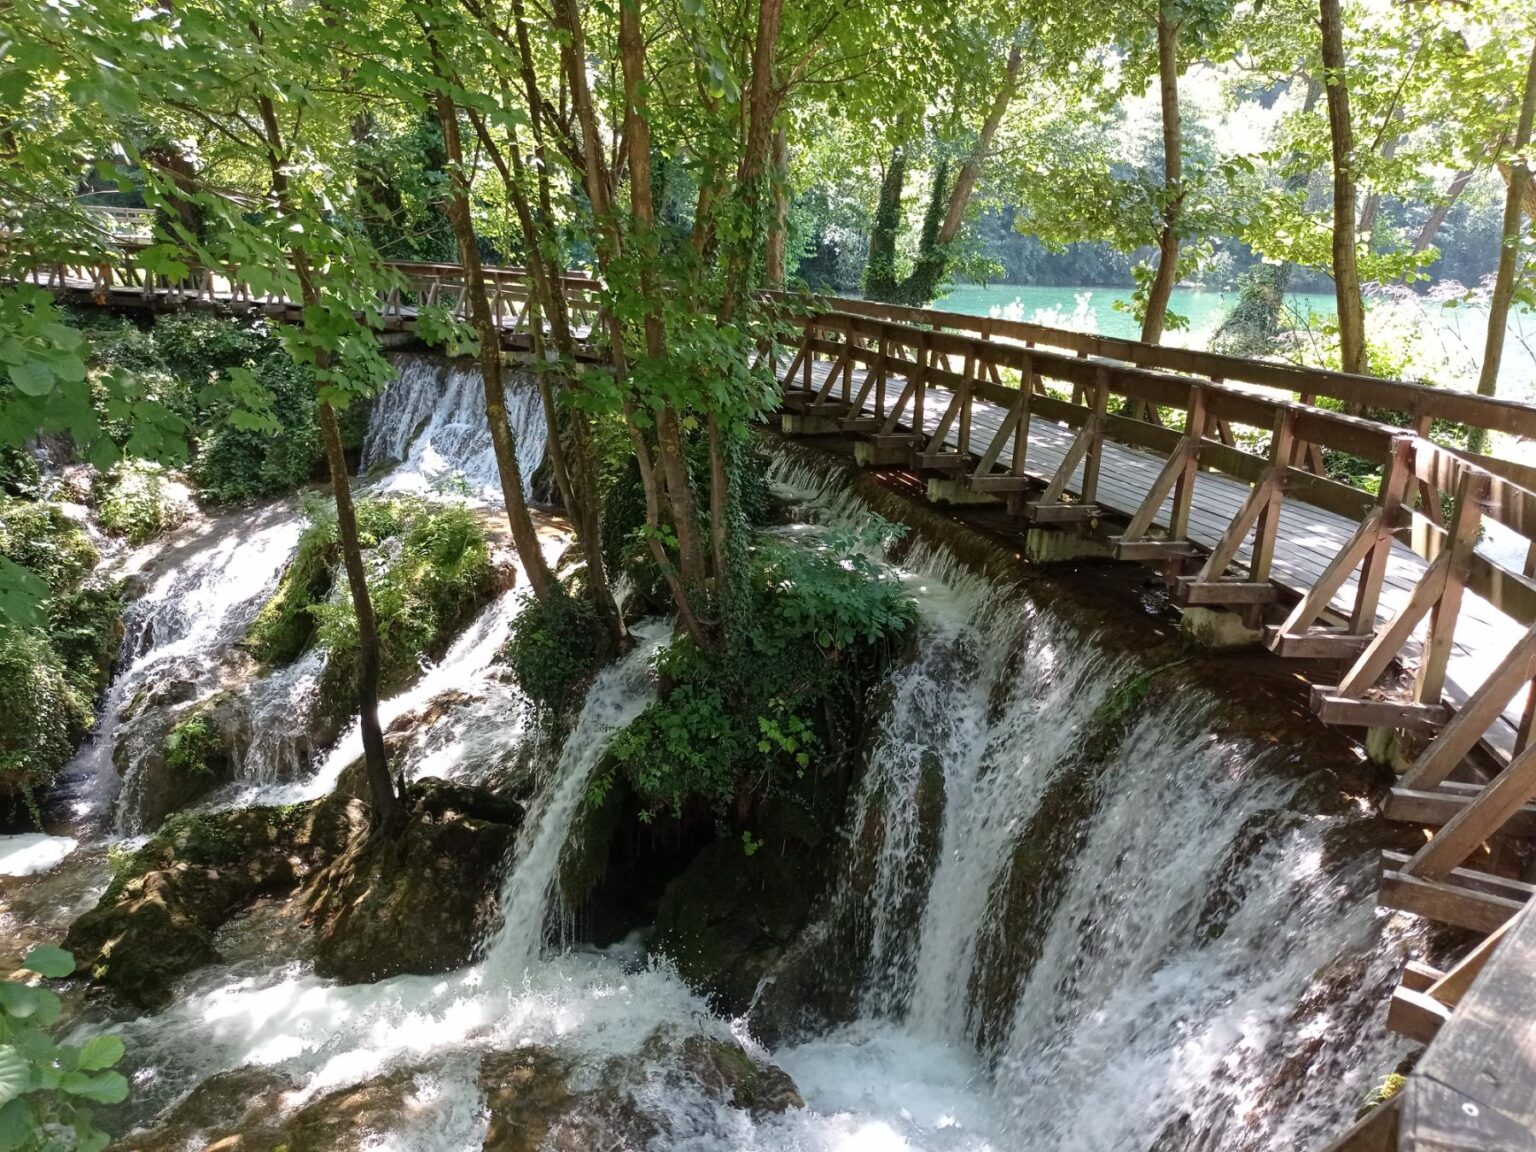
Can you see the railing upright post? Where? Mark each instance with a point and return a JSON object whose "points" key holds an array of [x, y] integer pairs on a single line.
{"points": [[1280, 446], [1184, 486], [1095, 445], [1461, 536], [1021, 429], [1399, 467]]}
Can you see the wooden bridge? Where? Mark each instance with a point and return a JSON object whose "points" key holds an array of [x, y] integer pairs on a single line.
{"points": [[1218, 472]]}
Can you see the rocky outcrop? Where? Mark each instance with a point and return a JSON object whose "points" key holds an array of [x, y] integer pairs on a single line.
{"points": [[421, 901], [531, 1101], [413, 903], [157, 919], [178, 749]]}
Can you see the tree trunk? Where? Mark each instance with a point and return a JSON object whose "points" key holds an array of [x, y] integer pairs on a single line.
{"points": [[387, 814], [1167, 275], [386, 810], [880, 266], [777, 263], [1442, 209], [524, 536], [1509, 249], [1346, 273]]}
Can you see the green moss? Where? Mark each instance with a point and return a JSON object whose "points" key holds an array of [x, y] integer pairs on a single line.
{"points": [[139, 504], [429, 572], [85, 629], [553, 651]]}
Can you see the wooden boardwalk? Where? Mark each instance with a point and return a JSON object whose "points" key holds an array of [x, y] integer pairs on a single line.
{"points": [[1308, 537], [1212, 469]]}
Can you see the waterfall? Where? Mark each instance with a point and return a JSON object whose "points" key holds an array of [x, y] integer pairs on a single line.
{"points": [[430, 421], [1129, 926], [617, 696]]}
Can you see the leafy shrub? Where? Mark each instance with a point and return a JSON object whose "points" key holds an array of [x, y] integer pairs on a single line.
{"points": [[41, 537], [52, 671], [755, 714], [44, 716], [46, 1087], [140, 503], [193, 746], [553, 650], [430, 570]]}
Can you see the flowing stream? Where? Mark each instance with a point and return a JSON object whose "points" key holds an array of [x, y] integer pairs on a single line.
{"points": [[1080, 927]]}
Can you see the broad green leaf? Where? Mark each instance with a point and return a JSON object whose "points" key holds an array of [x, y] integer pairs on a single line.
{"points": [[16, 1125], [22, 593], [103, 1087], [100, 1052], [48, 961], [15, 1074], [33, 377]]}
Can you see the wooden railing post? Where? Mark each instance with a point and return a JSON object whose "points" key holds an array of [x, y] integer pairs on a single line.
{"points": [[1467, 518], [1389, 498]]}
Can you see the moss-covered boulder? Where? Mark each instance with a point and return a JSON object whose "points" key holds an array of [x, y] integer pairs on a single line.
{"points": [[419, 902], [158, 918], [172, 751], [729, 918], [527, 1095]]}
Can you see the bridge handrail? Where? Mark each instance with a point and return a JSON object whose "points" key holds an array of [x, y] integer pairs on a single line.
{"points": [[1422, 402]]}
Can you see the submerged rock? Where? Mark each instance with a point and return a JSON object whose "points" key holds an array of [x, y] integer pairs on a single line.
{"points": [[527, 1093], [419, 902]]}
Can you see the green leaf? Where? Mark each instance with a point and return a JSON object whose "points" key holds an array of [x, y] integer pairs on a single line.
{"points": [[104, 1087], [19, 1001], [22, 593], [16, 1125], [100, 1052], [48, 961], [34, 377], [15, 1074]]}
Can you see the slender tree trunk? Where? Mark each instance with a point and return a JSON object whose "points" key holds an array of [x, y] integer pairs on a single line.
{"points": [[669, 436], [777, 261], [880, 266], [1509, 248], [1442, 209], [524, 536], [387, 814], [1372, 207], [386, 810], [1167, 275], [1346, 273]]}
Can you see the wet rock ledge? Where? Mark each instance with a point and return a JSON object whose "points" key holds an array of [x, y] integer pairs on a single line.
{"points": [[364, 907]]}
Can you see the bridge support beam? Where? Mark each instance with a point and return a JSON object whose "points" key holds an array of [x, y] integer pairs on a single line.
{"points": [[1219, 629], [800, 425], [1059, 545], [944, 491]]}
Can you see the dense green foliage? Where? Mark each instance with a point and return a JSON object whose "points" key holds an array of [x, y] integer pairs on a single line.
{"points": [[47, 1088], [738, 723], [193, 746], [552, 651], [51, 671], [139, 505], [429, 571], [219, 375]]}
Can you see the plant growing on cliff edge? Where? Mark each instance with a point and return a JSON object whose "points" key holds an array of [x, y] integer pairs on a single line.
{"points": [[46, 1088], [739, 721]]}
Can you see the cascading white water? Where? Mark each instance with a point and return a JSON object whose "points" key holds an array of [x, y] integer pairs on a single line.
{"points": [[431, 419], [619, 694], [1173, 958], [203, 594]]}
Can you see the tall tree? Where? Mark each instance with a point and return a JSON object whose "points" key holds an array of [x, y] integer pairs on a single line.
{"points": [[1509, 241], [1161, 289], [1346, 274]]}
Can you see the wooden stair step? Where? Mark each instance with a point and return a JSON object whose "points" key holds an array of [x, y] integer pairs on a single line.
{"points": [[1435, 808], [1191, 590], [1153, 550]]}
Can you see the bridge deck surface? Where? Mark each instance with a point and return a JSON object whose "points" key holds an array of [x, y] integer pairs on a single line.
{"points": [[1308, 537]]}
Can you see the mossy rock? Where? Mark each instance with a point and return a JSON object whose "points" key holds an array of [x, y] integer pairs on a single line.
{"points": [[729, 917], [174, 754], [527, 1094], [419, 902], [157, 919]]}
